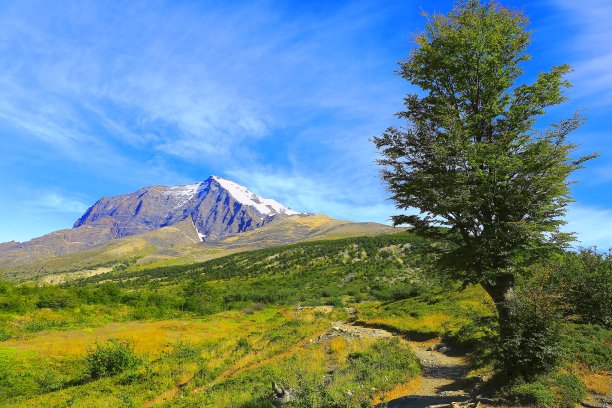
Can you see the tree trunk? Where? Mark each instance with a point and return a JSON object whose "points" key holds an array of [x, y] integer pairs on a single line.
{"points": [[502, 293]]}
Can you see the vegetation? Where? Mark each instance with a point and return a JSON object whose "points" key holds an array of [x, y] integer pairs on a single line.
{"points": [[471, 159], [224, 329], [110, 358]]}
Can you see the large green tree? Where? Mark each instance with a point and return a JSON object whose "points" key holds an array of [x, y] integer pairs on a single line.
{"points": [[470, 157]]}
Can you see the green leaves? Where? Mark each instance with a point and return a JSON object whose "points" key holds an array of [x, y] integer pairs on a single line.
{"points": [[110, 358], [469, 157]]}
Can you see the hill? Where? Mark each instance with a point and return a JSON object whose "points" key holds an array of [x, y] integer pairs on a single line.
{"points": [[327, 318], [178, 244]]}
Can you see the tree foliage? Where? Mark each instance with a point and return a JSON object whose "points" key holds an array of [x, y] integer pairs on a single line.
{"points": [[470, 157]]}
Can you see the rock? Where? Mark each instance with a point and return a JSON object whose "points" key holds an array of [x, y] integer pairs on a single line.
{"points": [[281, 396], [327, 380]]}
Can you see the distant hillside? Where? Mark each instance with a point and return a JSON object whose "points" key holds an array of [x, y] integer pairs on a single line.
{"points": [[178, 244]]}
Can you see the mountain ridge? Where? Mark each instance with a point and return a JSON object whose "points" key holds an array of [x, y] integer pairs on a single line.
{"points": [[214, 209], [183, 223], [218, 208]]}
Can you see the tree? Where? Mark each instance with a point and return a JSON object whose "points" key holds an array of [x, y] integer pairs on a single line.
{"points": [[470, 158]]}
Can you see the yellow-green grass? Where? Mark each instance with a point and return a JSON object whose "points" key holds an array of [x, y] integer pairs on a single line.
{"points": [[227, 359], [356, 372], [227, 342], [438, 315]]}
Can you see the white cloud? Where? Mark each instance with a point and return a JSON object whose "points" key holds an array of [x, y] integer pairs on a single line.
{"points": [[592, 225], [52, 201], [591, 48]]}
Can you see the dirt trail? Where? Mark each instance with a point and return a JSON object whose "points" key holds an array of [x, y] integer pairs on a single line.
{"points": [[441, 382]]}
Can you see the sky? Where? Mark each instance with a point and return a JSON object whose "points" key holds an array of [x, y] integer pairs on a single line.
{"points": [[103, 98]]}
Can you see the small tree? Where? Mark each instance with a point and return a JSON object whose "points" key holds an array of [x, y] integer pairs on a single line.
{"points": [[470, 158]]}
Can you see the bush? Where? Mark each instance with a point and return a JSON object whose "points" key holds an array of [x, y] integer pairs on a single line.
{"points": [[535, 393], [110, 358], [585, 282], [201, 298], [477, 333], [528, 343], [56, 300], [588, 344], [560, 390], [568, 389]]}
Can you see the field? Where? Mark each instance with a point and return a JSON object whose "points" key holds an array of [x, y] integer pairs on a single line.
{"points": [[218, 333]]}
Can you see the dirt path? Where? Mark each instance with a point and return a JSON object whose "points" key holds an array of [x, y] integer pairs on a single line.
{"points": [[441, 382]]}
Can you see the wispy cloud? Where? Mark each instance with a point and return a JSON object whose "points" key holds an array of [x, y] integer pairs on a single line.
{"points": [[592, 225], [325, 194], [590, 48], [52, 201], [102, 98]]}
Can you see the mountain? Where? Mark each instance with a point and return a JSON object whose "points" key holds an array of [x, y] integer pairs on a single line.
{"points": [[178, 245], [207, 211], [217, 208], [169, 225]]}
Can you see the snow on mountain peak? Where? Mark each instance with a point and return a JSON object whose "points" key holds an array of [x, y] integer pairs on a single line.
{"points": [[186, 190], [182, 194], [246, 197]]}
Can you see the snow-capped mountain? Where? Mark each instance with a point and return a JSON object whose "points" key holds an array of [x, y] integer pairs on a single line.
{"points": [[216, 207], [170, 217]]}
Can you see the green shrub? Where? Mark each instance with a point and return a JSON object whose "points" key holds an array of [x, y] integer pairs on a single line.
{"points": [[559, 390], [569, 391], [201, 298], [183, 350], [585, 282], [243, 344], [536, 393], [387, 362], [56, 299], [589, 344], [110, 358], [529, 343], [475, 334], [334, 301]]}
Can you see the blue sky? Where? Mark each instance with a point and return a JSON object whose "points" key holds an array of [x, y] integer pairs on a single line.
{"points": [[102, 98]]}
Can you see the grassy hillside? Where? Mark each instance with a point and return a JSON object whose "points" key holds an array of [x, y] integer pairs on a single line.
{"points": [[176, 245], [216, 333]]}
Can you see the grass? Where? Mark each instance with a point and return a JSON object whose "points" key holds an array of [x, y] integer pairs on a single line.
{"points": [[170, 349], [448, 313], [206, 362], [216, 333], [354, 372]]}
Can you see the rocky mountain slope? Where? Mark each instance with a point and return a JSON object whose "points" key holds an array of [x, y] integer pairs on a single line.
{"points": [[207, 211], [169, 225], [217, 207]]}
